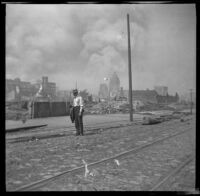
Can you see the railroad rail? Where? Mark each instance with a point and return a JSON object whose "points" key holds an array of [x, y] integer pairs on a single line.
{"points": [[66, 133], [173, 173], [20, 129], [89, 129], [137, 149], [11, 130]]}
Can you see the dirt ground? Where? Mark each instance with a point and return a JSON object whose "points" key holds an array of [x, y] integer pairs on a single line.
{"points": [[27, 162]]}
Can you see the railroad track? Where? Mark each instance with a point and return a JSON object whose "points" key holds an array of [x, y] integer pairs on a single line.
{"points": [[172, 173], [88, 130], [42, 183], [35, 128]]}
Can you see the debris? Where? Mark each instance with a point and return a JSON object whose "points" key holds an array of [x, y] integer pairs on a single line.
{"points": [[77, 146], [91, 174], [151, 121], [24, 117], [117, 162], [86, 169], [94, 172]]}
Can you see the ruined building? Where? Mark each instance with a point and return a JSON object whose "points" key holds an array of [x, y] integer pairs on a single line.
{"points": [[17, 90], [163, 96]]}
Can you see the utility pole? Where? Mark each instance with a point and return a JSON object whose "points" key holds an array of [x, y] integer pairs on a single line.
{"points": [[191, 101], [129, 70]]}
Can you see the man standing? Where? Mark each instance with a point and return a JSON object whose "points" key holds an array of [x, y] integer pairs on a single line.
{"points": [[78, 112]]}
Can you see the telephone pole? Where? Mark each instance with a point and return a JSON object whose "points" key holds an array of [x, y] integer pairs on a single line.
{"points": [[129, 70], [191, 103]]}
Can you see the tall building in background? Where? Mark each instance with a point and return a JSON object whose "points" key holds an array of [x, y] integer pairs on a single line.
{"points": [[103, 91], [161, 90], [114, 85]]}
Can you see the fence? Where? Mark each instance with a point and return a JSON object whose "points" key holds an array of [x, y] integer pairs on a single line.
{"points": [[49, 109]]}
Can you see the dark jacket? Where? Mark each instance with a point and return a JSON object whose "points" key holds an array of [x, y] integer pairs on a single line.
{"points": [[72, 114]]}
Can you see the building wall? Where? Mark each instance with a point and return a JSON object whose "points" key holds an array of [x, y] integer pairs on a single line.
{"points": [[143, 95]]}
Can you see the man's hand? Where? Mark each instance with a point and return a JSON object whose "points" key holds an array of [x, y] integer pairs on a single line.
{"points": [[80, 113]]}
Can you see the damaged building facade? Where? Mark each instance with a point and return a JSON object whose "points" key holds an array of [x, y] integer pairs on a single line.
{"points": [[17, 90], [112, 91]]}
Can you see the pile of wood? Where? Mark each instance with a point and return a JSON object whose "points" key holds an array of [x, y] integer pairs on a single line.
{"points": [[155, 119], [151, 120]]}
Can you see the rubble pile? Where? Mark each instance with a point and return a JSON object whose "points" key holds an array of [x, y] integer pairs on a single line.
{"points": [[107, 108], [16, 111], [111, 107], [151, 120]]}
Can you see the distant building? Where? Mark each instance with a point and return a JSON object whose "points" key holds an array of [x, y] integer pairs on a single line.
{"points": [[167, 99], [114, 86], [161, 90], [144, 96], [49, 88]]}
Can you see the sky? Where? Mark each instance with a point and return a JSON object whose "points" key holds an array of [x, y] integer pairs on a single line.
{"points": [[88, 42]]}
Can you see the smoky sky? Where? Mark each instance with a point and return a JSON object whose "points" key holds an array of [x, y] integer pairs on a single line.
{"points": [[85, 43]]}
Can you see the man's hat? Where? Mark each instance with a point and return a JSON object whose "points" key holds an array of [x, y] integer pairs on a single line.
{"points": [[75, 91]]}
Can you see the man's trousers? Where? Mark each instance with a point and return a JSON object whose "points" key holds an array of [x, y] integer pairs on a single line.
{"points": [[78, 121]]}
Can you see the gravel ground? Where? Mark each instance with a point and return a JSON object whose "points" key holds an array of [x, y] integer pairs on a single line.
{"points": [[134, 173], [31, 161]]}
